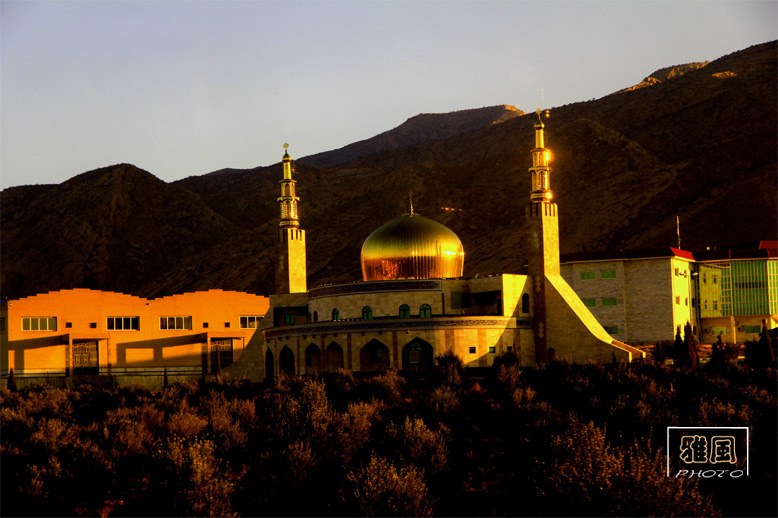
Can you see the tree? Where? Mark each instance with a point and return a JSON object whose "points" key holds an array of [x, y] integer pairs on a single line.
{"points": [[765, 357], [690, 347], [678, 346]]}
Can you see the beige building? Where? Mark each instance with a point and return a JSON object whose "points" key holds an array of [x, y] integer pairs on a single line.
{"points": [[638, 296]]}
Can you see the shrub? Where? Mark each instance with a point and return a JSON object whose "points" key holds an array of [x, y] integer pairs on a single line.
{"points": [[417, 444], [449, 369], [379, 488], [586, 477], [355, 427]]}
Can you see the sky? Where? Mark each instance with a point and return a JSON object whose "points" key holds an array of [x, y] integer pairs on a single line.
{"points": [[181, 88]]}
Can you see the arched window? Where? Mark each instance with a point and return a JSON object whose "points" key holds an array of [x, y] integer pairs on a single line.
{"points": [[405, 311], [335, 314], [525, 303], [367, 313], [425, 311]]}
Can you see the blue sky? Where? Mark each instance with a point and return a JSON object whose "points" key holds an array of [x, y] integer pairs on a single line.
{"points": [[183, 88]]}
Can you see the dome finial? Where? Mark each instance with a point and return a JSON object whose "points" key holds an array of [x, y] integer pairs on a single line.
{"points": [[410, 202]]}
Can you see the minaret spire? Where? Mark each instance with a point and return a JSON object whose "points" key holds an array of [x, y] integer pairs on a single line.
{"points": [[291, 272], [410, 203], [288, 200], [541, 172]]}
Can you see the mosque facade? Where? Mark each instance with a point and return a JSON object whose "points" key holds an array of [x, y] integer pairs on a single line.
{"points": [[413, 303]]}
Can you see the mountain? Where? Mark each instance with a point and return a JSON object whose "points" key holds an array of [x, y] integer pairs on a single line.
{"points": [[418, 129], [699, 142]]}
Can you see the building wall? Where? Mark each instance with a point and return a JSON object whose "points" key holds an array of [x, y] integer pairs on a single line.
{"points": [[651, 300], [133, 354]]}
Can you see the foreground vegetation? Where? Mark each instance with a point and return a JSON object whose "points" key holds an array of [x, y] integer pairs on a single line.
{"points": [[561, 440]]}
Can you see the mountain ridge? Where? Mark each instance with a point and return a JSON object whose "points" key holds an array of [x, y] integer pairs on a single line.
{"points": [[701, 146]]}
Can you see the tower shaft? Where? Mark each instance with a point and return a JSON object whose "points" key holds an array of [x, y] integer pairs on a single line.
{"points": [[543, 226]]}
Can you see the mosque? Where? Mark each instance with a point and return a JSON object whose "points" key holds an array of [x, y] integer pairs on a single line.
{"points": [[414, 304]]}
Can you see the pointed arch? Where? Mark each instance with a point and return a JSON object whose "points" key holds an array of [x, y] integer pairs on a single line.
{"points": [[286, 361], [334, 353], [374, 356], [418, 354], [312, 359], [270, 368]]}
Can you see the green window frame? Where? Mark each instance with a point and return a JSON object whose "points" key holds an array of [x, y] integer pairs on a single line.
{"points": [[608, 274], [609, 301], [753, 329], [590, 303], [587, 276], [289, 319], [335, 314], [611, 330], [425, 311], [405, 311], [367, 313]]}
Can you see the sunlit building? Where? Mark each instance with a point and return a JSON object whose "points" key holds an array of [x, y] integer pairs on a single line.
{"points": [[81, 332]]}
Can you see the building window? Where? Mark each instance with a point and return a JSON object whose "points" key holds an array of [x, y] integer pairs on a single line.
{"points": [[367, 313], [686, 301], [172, 323], [676, 272], [472, 350], [678, 299], [335, 315], [609, 302], [586, 276], [718, 331], [315, 316], [405, 311], [491, 349], [69, 325], [612, 330], [525, 303], [123, 323], [715, 304], [3, 325], [414, 353], [39, 324], [753, 329], [205, 325], [249, 321], [226, 324], [590, 303], [289, 319], [425, 311], [608, 274], [93, 325]]}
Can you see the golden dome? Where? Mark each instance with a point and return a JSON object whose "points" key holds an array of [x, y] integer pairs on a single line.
{"points": [[412, 247]]}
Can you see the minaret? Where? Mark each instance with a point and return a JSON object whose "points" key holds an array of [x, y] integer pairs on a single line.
{"points": [[543, 228], [290, 264]]}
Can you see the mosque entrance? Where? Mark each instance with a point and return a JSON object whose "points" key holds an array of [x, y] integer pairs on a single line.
{"points": [[286, 361], [312, 359], [334, 357], [417, 355], [374, 356], [85, 361]]}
